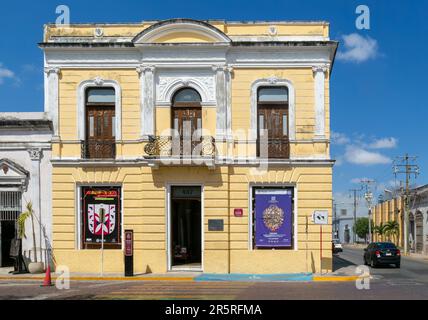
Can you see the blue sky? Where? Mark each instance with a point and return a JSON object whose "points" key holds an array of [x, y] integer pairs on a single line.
{"points": [[378, 87]]}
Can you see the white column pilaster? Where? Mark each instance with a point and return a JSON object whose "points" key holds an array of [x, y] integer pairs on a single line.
{"points": [[36, 156], [221, 101], [52, 97], [147, 103], [319, 88]]}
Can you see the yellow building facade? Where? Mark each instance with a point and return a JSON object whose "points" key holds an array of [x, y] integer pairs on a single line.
{"points": [[386, 211], [254, 96]]}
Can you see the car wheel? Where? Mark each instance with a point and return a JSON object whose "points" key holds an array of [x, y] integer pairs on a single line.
{"points": [[372, 264], [365, 261], [397, 265]]}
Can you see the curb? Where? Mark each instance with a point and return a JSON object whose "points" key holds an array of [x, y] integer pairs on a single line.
{"points": [[237, 277], [102, 278], [336, 278]]}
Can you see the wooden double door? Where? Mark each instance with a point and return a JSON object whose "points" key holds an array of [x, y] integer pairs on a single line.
{"points": [[273, 121], [185, 121], [100, 132]]}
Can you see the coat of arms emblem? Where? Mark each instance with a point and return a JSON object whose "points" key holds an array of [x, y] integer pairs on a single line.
{"points": [[95, 212]]}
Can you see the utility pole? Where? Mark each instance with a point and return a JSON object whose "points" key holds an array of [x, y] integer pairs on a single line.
{"points": [[406, 165], [368, 195], [354, 193]]}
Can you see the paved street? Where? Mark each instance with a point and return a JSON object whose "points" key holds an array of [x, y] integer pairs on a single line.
{"points": [[409, 282]]}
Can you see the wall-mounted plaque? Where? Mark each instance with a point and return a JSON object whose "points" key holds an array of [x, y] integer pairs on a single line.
{"points": [[215, 225]]}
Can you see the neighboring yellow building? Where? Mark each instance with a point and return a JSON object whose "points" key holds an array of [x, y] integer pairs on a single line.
{"points": [[236, 198], [390, 210]]}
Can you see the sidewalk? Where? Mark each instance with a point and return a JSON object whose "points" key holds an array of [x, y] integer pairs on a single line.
{"points": [[190, 276]]}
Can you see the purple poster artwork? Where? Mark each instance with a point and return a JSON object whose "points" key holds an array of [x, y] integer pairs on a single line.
{"points": [[273, 218]]}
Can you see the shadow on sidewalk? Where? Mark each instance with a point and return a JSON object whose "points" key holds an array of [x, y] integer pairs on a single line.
{"points": [[339, 263]]}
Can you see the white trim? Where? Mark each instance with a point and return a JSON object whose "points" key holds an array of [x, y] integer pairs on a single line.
{"points": [[188, 82], [253, 185], [168, 186], [81, 104], [273, 82], [177, 27]]}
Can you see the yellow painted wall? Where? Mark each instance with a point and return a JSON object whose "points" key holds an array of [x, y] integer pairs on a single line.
{"points": [[231, 29], [224, 189]]}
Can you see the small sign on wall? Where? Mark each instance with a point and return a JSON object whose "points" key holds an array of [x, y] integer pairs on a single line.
{"points": [[215, 225], [238, 212]]}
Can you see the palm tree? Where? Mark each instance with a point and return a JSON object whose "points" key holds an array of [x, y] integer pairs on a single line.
{"points": [[29, 213], [392, 229], [380, 230]]}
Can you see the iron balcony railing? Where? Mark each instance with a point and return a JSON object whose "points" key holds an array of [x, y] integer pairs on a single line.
{"points": [[168, 146], [98, 149]]}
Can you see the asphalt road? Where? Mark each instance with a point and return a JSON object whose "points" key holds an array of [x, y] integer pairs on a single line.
{"points": [[409, 282]]}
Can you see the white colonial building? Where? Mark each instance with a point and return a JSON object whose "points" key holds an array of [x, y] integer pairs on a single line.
{"points": [[25, 176]]}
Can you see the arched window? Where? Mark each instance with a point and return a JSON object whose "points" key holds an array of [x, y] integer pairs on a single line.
{"points": [[186, 96], [100, 123], [187, 116], [273, 117]]}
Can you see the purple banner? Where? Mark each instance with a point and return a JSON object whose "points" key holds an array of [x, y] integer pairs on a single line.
{"points": [[273, 218]]}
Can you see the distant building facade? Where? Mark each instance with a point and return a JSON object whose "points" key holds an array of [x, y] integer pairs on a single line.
{"points": [[393, 210]]}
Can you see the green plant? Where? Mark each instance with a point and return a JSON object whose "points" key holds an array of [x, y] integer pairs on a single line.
{"points": [[392, 229], [380, 230], [29, 213]]}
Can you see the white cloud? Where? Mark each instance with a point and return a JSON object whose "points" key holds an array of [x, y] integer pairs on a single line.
{"points": [[339, 138], [385, 143], [358, 155], [358, 48], [5, 73]]}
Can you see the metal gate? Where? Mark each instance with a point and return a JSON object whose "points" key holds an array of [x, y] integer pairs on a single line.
{"points": [[10, 205]]}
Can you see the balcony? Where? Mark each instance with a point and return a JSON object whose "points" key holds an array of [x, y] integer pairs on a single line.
{"points": [[273, 148], [177, 147], [98, 149]]}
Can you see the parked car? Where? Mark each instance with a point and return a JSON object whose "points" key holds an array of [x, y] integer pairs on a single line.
{"points": [[382, 253], [337, 246]]}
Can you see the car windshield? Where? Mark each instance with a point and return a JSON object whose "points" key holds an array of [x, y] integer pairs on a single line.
{"points": [[385, 245]]}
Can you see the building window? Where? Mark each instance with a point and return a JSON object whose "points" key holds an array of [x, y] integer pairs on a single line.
{"points": [[273, 121], [187, 118], [100, 132], [101, 217], [272, 223]]}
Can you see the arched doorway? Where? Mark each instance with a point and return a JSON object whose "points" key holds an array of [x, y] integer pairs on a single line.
{"points": [[187, 119], [411, 239], [419, 232]]}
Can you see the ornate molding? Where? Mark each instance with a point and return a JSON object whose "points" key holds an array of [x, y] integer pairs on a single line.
{"points": [[50, 70], [35, 154], [168, 84], [145, 68], [98, 81], [320, 68]]}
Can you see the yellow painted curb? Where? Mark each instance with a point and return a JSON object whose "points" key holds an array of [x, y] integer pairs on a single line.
{"points": [[106, 278], [338, 278]]}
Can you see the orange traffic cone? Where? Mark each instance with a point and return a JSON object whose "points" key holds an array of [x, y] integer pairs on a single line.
{"points": [[47, 282]]}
